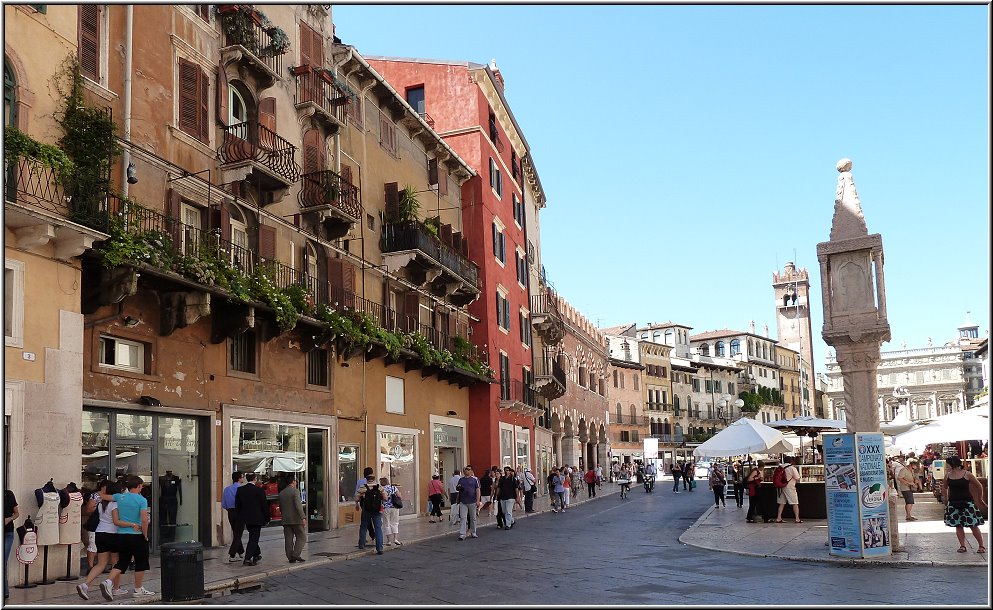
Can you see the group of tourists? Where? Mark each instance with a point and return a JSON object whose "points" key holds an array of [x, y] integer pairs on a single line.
{"points": [[685, 472]]}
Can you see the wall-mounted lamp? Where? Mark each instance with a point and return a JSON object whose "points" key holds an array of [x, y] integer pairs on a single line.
{"points": [[130, 322], [132, 174]]}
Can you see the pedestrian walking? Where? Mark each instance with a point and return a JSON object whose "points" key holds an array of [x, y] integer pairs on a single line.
{"points": [[105, 538], [529, 487], [509, 494], [89, 519], [754, 484], [906, 482], [688, 469], [676, 470], [436, 496], [738, 483], [359, 486], [566, 474], [559, 487], [237, 527], [590, 478], [550, 483], [468, 503], [370, 500], [486, 490], [293, 520], [615, 469], [599, 476], [131, 517], [391, 512], [787, 495], [453, 498], [962, 493], [716, 481], [253, 511]]}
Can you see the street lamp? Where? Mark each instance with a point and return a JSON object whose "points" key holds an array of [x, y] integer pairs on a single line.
{"points": [[724, 407]]}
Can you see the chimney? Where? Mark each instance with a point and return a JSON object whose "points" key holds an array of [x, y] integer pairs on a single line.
{"points": [[766, 328], [751, 327], [496, 73]]}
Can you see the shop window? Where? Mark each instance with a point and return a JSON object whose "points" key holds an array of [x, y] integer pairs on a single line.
{"points": [[394, 395], [243, 352], [317, 367], [13, 303], [122, 354], [347, 472]]}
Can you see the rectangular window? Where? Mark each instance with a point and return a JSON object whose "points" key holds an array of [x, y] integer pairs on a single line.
{"points": [[317, 367], [708, 387], [625, 436], [243, 352], [634, 436], [89, 40], [494, 134], [496, 180], [394, 395], [518, 210], [13, 303], [415, 97], [636, 381], [513, 165], [499, 244], [122, 354], [504, 376], [354, 110], [387, 134], [730, 388], [696, 384], [194, 95]]}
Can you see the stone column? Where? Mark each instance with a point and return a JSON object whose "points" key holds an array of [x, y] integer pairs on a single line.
{"points": [[602, 457], [569, 451]]}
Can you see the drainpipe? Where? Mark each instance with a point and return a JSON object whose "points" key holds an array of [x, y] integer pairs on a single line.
{"points": [[126, 156]]}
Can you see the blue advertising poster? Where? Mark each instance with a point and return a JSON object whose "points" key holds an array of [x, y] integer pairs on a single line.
{"points": [[841, 487], [873, 494]]}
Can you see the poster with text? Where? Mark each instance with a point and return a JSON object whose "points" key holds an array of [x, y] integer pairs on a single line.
{"points": [[841, 489], [873, 494]]}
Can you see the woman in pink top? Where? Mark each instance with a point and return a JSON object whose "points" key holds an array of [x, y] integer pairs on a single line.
{"points": [[436, 491]]}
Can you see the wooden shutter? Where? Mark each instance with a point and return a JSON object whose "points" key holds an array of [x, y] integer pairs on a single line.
{"points": [[267, 242], [412, 309], [222, 94], [203, 104], [173, 204], [221, 217], [313, 149], [317, 48], [453, 319], [203, 10], [392, 201], [341, 277], [432, 171], [189, 87], [306, 53], [267, 113], [89, 40], [445, 234], [443, 183]]}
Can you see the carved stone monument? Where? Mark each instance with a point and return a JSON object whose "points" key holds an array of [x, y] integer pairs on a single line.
{"points": [[854, 300]]}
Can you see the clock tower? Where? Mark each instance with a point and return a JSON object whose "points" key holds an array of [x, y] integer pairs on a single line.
{"points": [[792, 290]]}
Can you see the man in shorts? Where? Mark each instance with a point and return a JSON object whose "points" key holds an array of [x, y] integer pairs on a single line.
{"points": [[787, 495], [906, 482], [132, 540]]}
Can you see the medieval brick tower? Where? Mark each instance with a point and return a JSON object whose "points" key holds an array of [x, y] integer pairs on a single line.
{"points": [[792, 288]]}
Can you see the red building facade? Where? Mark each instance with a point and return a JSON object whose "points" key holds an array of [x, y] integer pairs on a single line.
{"points": [[465, 104]]}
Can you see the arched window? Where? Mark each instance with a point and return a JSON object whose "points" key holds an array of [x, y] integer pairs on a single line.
{"points": [[237, 108], [618, 412], [719, 349], [765, 351], [669, 337], [636, 381], [735, 347], [634, 413], [704, 349], [655, 336], [675, 402], [239, 239], [311, 262], [644, 336], [9, 95], [750, 350], [622, 379], [615, 379]]}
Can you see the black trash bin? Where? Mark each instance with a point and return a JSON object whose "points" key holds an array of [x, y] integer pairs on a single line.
{"points": [[182, 571]]}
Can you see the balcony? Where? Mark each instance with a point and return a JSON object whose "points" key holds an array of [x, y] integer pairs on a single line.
{"points": [[672, 439], [549, 376], [629, 420], [252, 41], [518, 397], [321, 98], [42, 207], [335, 199], [429, 260], [546, 318], [657, 406], [253, 151]]}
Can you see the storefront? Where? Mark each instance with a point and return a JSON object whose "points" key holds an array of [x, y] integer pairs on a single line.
{"points": [[171, 453], [515, 446], [447, 446], [279, 453], [398, 463]]}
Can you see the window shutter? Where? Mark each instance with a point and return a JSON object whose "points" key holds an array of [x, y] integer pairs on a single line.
{"points": [[267, 114], [496, 242], [443, 183], [492, 174], [316, 47], [313, 160], [411, 309], [452, 324], [306, 53], [189, 84], [204, 106], [392, 201], [267, 242], [173, 203], [432, 171], [221, 217], [222, 94], [89, 40]]}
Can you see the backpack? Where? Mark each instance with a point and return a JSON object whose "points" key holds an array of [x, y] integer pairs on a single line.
{"points": [[779, 477], [372, 501]]}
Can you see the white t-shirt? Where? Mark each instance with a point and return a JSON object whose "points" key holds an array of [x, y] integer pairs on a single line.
{"points": [[106, 525], [453, 482]]}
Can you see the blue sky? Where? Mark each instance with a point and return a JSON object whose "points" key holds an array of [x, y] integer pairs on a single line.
{"points": [[687, 152]]}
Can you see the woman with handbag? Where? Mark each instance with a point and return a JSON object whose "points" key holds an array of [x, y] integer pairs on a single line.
{"points": [[391, 511], [754, 483], [716, 481], [962, 493], [436, 495]]}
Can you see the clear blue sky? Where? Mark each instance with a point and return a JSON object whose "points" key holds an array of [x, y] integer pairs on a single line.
{"points": [[688, 151]]}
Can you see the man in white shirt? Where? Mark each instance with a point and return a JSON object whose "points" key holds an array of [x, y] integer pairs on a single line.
{"points": [[787, 495], [453, 497], [529, 485]]}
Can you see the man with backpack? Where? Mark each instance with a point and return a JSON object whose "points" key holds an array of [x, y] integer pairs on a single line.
{"points": [[529, 485], [370, 501], [784, 479]]}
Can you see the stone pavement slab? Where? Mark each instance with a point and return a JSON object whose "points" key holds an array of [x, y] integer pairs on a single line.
{"points": [[926, 542]]}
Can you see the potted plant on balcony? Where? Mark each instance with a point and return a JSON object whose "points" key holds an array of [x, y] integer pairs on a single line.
{"points": [[432, 224], [279, 42], [238, 24], [409, 205], [331, 190]]}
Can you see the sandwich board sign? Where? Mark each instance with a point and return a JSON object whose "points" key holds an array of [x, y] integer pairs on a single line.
{"points": [[857, 494]]}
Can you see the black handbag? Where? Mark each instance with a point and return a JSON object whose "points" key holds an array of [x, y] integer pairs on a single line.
{"points": [[396, 501]]}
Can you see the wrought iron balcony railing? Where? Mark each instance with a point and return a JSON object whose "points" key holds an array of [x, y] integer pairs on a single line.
{"points": [[252, 141], [515, 390], [629, 420], [412, 235], [668, 438], [30, 183], [257, 40], [327, 188], [318, 86]]}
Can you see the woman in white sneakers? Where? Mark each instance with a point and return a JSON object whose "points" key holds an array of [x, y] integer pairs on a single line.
{"points": [[391, 513], [106, 541]]}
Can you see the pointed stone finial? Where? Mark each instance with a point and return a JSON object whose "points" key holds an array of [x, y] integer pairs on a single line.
{"points": [[848, 221]]}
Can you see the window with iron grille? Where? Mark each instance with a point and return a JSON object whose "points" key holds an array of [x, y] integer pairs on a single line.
{"points": [[317, 367], [387, 134], [242, 352]]}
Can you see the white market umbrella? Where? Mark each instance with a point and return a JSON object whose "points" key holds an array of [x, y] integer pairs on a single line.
{"points": [[788, 445], [949, 428], [898, 424], [743, 436], [807, 423]]}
